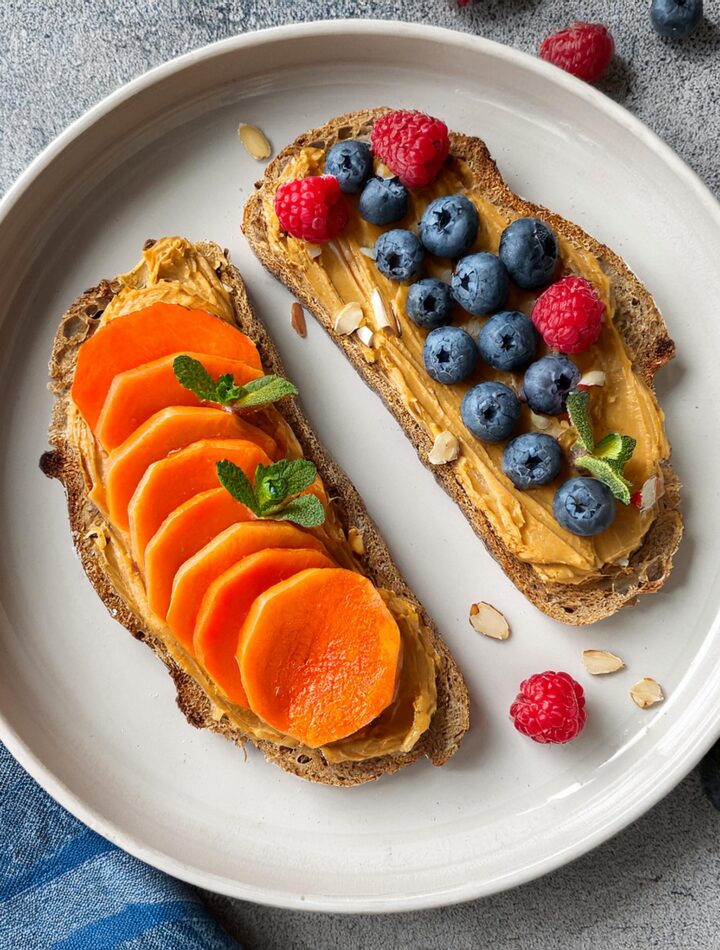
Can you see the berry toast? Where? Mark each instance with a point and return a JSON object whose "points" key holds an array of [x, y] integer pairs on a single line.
{"points": [[217, 529], [517, 352]]}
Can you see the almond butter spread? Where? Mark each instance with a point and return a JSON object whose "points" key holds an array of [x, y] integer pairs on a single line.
{"points": [[172, 271], [524, 521]]}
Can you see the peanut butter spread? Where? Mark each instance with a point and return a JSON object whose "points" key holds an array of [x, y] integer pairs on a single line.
{"points": [[172, 271], [342, 273]]}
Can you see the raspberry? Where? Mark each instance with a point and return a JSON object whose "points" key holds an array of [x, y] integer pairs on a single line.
{"points": [[569, 314], [312, 209], [412, 145], [550, 707], [583, 49]]}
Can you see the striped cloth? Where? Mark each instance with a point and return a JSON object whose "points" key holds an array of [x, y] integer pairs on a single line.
{"points": [[64, 887]]}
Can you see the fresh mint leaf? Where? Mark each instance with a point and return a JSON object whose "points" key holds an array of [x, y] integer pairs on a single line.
{"points": [[616, 448], [578, 407], [607, 473], [305, 510], [234, 480], [191, 374], [259, 392], [227, 391]]}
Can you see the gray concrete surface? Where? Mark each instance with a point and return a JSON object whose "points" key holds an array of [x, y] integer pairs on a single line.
{"points": [[655, 885]]}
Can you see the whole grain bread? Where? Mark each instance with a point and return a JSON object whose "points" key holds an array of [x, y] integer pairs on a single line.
{"points": [[642, 328], [451, 719]]}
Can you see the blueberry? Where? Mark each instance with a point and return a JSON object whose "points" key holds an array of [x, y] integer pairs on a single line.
{"points": [[532, 459], [383, 201], [529, 250], [548, 382], [429, 303], [676, 18], [491, 411], [449, 354], [584, 506], [508, 340], [449, 226], [399, 254], [351, 163], [480, 283]]}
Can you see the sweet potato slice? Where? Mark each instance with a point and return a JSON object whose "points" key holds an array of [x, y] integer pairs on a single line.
{"points": [[187, 529], [170, 429], [139, 393], [146, 335], [171, 481], [196, 574], [226, 604], [319, 655]]}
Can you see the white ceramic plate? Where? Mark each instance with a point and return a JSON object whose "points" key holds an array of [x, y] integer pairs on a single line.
{"points": [[90, 712]]}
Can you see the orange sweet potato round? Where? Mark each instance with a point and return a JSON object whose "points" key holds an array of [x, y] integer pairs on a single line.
{"points": [[226, 604], [319, 655]]}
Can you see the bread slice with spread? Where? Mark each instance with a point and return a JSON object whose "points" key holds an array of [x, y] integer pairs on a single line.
{"points": [[573, 578], [153, 524]]}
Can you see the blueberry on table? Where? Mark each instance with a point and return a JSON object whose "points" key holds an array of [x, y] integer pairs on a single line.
{"points": [[450, 355], [351, 163], [584, 506], [383, 201], [508, 341], [480, 283], [676, 18], [547, 383], [491, 411], [449, 226], [399, 254], [529, 250], [429, 303], [532, 459]]}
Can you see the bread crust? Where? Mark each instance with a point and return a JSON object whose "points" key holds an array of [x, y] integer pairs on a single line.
{"points": [[450, 721], [643, 331]]}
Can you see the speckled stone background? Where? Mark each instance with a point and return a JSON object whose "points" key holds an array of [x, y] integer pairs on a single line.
{"points": [[657, 885]]}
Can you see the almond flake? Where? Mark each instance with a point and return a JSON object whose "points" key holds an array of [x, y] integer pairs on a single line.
{"points": [[488, 621], [646, 693], [382, 171], [382, 319], [599, 662], [650, 493], [539, 422], [368, 252], [355, 540], [446, 448], [297, 319], [255, 142], [348, 318], [365, 335], [595, 377], [314, 250]]}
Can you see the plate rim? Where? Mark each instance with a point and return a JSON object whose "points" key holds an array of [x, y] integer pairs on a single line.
{"points": [[687, 757]]}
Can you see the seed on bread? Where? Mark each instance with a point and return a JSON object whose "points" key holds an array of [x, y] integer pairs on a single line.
{"points": [[255, 142], [488, 621], [297, 319]]}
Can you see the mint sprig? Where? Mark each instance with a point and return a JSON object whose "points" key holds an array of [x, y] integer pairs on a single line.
{"points": [[275, 492], [606, 459], [191, 374]]}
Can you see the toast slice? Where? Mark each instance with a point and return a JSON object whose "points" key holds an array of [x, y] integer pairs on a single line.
{"points": [[100, 551], [641, 328]]}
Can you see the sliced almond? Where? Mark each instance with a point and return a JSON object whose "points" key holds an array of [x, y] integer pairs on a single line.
{"points": [[538, 421], [368, 252], [649, 493], [600, 662], [596, 377], [446, 448], [355, 540], [297, 319], [365, 335], [488, 621], [646, 693], [313, 250], [348, 318], [255, 142], [383, 320], [382, 171]]}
